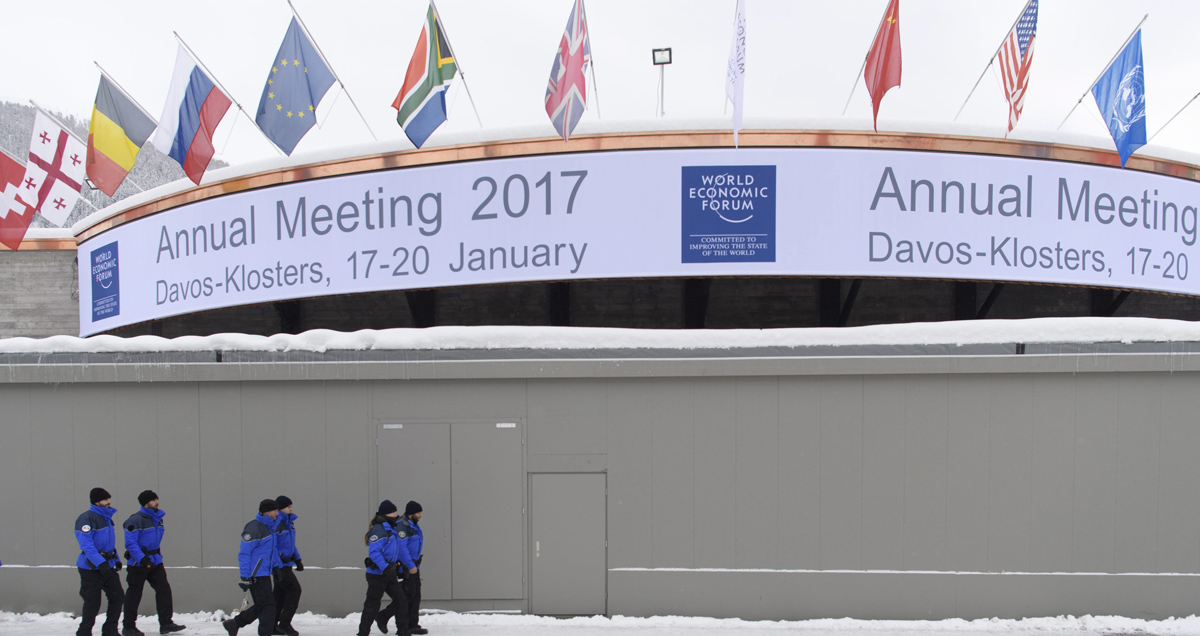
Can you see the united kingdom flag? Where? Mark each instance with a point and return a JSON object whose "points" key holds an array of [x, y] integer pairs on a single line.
{"points": [[566, 94]]}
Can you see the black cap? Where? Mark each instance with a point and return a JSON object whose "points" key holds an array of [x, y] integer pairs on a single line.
{"points": [[283, 502], [98, 494], [147, 496], [267, 505], [412, 508], [386, 507]]}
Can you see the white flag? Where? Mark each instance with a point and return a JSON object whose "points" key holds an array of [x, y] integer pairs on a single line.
{"points": [[55, 171], [735, 75]]}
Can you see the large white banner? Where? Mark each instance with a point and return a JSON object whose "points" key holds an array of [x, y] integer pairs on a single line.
{"points": [[777, 212]]}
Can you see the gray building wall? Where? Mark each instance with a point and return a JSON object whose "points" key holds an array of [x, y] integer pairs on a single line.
{"points": [[887, 487]]}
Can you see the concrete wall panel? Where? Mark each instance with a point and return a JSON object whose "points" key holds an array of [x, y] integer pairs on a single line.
{"points": [[630, 446], [349, 462], [926, 429], [180, 476], [884, 505], [17, 486], [567, 417], [967, 473], [677, 511], [1138, 448], [714, 469], [1053, 473], [57, 501], [799, 473], [1010, 461], [1179, 472], [225, 504], [1093, 539], [756, 501], [841, 473]]}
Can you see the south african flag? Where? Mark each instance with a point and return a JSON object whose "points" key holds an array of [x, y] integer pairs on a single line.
{"points": [[421, 103]]}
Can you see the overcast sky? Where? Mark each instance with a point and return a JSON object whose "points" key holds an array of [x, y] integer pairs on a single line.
{"points": [[802, 58]]}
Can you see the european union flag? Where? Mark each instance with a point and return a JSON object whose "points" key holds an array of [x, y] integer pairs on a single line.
{"points": [[1121, 97], [298, 80]]}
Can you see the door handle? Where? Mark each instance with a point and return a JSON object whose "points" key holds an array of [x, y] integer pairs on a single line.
{"points": [[537, 549]]}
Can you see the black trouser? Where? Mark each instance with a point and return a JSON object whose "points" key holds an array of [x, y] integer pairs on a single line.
{"points": [[136, 580], [91, 583], [412, 593], [263, 608], [377, 584], [287, 595]]}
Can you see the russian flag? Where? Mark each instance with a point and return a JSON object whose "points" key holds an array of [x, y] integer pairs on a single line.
{"points": [[194, 108]]}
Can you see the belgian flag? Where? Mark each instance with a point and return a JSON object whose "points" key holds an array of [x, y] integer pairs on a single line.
{"points": [[118, 130]]}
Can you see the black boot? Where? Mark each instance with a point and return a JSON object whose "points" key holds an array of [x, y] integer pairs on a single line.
{"points": [[418, 630], [230, 626], [171, 628], [131, 630]]}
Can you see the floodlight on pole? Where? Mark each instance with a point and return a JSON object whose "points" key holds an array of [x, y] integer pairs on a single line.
{"points": [[661, 58]]}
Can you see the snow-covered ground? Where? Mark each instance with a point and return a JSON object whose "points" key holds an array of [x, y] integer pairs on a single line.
{"points": [[453, 624]]}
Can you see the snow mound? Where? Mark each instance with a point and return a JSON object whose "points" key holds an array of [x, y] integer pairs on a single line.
{"points": [[967, 332]]}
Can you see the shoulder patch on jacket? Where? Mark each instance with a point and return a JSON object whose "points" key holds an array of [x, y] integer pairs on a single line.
{"points": [[86, 528], [403, 534], [374, 538], [247, 537]]}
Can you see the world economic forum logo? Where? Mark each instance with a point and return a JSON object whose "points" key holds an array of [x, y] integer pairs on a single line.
{"points": [[728, 214], [1130, 105], [106, 282]]}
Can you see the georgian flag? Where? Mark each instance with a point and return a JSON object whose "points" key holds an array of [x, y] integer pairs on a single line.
{"points": [[55, 172]]}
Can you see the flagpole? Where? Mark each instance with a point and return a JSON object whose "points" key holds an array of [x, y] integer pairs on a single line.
{"points": [[592, 63], [1177, 113], [196, 59], [437, 18], [330, 67], [865, 58], [992, 59], [1114, 57], [125, 92]]}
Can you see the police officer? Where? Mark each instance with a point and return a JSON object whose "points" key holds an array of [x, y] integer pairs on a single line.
{"points": [[383, 551], [410, 556], [143, 541], [257, 558], [287, 588], [98, 564]]}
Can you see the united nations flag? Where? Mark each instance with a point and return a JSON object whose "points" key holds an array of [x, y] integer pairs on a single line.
{"points": [[1121, 97], [299, 78]]}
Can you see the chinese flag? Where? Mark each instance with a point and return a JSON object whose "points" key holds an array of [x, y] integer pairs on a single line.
{"points": [[882, 71]]}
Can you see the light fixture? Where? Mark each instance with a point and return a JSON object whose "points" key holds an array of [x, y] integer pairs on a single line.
{"points": [[662, 56]]}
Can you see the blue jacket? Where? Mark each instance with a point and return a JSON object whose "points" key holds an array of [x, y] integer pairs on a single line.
{"points": [[143, 534], [412, 539], [285, 539], [383, 546], [97, 537], [258, 548]]}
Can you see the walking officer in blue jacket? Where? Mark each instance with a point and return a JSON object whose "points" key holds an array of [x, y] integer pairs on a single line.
{"points": [[257, 558], [98, 564], [383, 554], [143, 551], [287, 588], [411, 544]]}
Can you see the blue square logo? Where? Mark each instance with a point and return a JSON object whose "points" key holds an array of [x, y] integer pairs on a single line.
{"points": [[728, 214], [106, 283]]}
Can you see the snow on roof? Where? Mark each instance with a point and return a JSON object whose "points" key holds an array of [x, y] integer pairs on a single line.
{"points": [[489, 135], [968, 332]]}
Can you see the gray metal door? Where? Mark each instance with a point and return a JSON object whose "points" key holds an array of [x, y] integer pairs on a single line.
{"points": [[569, 575], [414, 464]]}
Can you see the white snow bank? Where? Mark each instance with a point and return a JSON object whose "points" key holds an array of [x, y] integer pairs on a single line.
{"points": [[207, 623], [966, 332]]}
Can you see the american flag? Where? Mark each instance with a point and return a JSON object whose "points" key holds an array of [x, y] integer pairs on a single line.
{"points": [[1016, 56], [566, 94]]}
